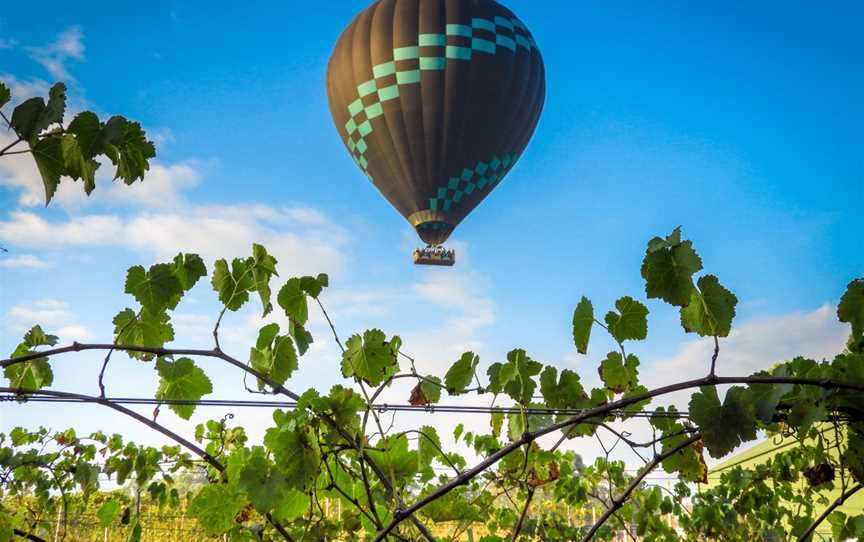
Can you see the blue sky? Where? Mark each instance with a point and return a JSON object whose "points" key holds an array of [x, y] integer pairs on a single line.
{"points": [[740, 122]]}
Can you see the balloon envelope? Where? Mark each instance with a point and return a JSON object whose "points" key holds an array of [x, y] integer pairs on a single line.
{"points": [[436, 101]]}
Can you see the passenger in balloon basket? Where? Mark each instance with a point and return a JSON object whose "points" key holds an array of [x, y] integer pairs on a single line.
{"points": [[435, 255]]}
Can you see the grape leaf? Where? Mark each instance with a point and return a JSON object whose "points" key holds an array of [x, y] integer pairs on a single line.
{"points": [[88, 132], [146, 329], [76, 165], [293, 505], [53, 111], [583, 319], [232, 286], [851, 308], [724, 426], [273, 355], [460, 375], [619, 375], [520, 387], [428, 445], [302, 337], [25, 117], [711, 309], [108, 512], [371, 358], [426, 392], [189, 269], [48, 155], [155, 289], [261, 481], [292, 299], [215, 507], [126, 145], [668, 269], [5, 95], [854, 455], [36, 373], [566, 392], [182, 380], [263, 269], [295, 451], [32, 375], [630, 322]]}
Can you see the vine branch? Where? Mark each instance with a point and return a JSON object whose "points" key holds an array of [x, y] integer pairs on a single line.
{"points": [[619, 501]]}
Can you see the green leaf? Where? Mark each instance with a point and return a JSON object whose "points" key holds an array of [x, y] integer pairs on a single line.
{"points": [[428, 444], [273, 355], [430, 388], [343, 405], [854, 456], [76, 165], [155, 289], [851, 308], [371, 358], [668, 269], [126, 145], [25, 117], [48, 155], [5, 95], [396, 456], [215, 508], [766, 397], [295, 451], [37, 337], [293, 505], [711, 309], [619, 375], [88, 132], [148, 329], [53, 111], [583, 319], [302, 337], [723, 427], [182, 380], [263, 269], [232, 286], [460, 375], [189, 269], [630, 322], [262, 483], [566, 392], [292, 299], [32, 375], [520, 387]]}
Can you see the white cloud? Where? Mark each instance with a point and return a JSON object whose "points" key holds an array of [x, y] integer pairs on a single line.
{"points": [[211, 231], [54, 315], [24, 261], [6, 43], [752, 346], [69, 45]]}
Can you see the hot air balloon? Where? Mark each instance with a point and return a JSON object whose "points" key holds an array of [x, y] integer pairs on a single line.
{"points": [[436, 100]]}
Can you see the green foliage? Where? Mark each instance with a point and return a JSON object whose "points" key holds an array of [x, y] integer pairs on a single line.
{"points": [[183, 380], [619, 375], [630, 322], [36, 373], [711, 309], [295, 449], [215, 508], [371, 358], [273, 355], [724, 426], [851, 308], [583, 319], [340, 447], [71, 152], [668, 269], [460, 375]]}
